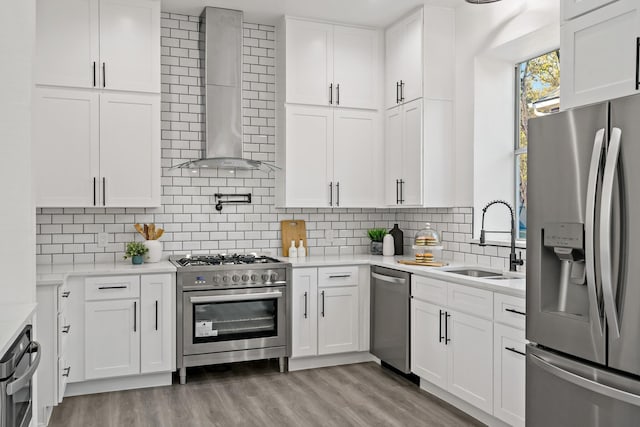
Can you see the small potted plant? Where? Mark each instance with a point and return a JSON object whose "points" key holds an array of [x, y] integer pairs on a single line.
{"points": [[376, 235], [136, 251]]}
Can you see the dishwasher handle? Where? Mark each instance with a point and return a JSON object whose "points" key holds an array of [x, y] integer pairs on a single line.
{"points": [[389, 279]]}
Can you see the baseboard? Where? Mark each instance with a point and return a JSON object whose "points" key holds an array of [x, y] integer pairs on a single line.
{"points": [[300, 363], [462, 405], [120, 383]]}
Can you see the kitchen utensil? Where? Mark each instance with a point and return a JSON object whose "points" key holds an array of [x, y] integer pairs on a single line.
{"points": [[293, 229]]}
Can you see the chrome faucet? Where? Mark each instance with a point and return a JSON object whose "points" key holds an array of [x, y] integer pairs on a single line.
{"points": [[514, 260]]}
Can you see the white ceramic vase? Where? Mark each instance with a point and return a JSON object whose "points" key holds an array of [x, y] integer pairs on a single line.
{"points": [[155, 251], [388, 247]]}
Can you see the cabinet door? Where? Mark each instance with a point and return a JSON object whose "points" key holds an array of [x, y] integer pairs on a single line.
{"points": [[569, 9], [393, 155], [428, 349], [598, 54], [304, 313], [130, 45], [67, 45], [309, 62], [394, 50], [309, 146], [338, 320], [470, 361], [65, 147], [509, 374], [355, 144], [112, 338], [412, 55], [411, 188], [156, 323], [439, 160], [355, 67], [130, 150]]}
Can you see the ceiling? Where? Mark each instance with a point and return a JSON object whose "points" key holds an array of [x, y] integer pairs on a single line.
{"points": [[378, 13]]}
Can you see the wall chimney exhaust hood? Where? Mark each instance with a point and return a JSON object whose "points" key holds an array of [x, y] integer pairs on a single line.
{"points": [[221, 55]]}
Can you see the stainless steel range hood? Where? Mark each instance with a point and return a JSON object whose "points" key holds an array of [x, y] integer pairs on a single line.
{"points": [[221, 53]]}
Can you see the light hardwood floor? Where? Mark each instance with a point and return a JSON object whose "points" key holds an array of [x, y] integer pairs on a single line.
{"points": [[255, 394]]}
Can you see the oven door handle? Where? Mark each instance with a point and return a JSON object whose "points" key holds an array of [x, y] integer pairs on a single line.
{"points": [[19, 383], [236, 297]]}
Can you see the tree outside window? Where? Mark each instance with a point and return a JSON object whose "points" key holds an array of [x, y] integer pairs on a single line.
{"points": [[537, 94]]}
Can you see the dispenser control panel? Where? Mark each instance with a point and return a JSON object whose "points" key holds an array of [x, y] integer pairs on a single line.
{"points": [[564, 235]]}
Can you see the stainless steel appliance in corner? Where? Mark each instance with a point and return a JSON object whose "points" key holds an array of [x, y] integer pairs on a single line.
{"points": [[390, 313], [231, 309], [17, 369], [583, 269]]}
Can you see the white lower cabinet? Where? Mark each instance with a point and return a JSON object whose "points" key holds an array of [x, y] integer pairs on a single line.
{"points": [[428, 354], [156, 339], [326, 316]]}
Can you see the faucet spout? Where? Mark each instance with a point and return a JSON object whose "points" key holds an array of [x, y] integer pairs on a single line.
{"points": [[514, 260]]}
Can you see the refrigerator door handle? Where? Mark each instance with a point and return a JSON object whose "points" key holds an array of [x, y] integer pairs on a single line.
{"points": [[606, 268], [585, 383], [589, 232]]}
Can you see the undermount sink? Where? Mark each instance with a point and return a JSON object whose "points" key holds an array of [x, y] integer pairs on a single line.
{"points": [[473, 272]]}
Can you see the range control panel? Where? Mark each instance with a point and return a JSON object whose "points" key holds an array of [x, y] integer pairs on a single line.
{"points": [[233, 278]]}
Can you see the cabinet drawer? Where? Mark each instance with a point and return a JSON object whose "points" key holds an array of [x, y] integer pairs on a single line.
{"points": [[471, 300], [63, 298], [428, 289], [338, 276], [64, 327], [112, 287], [509, 310]]}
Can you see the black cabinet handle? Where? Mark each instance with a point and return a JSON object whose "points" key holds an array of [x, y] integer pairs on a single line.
{"points": [[338, 194], [305, 305], [440, 337], [104, 74], [511, 310], [112, 287], [513, 350], [331, 194], [94, 191], [447, 340], [397, 92], [637, 63], [104, 191], [66, 294], [156, 315], [397, 192], [338, 94], [67, 371], [135, 316], [66, 329], [331, 94], [322, 311], [401, 91], [402, 191], [94, 75], [339, 276]]}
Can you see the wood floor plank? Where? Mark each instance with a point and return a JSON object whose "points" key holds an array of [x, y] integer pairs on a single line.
{"points": [[254, 394]]}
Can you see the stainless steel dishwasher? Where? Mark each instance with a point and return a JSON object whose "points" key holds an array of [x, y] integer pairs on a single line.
{"points": [[390, 302]]}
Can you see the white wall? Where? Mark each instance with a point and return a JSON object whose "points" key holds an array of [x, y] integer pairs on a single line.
{"points": [[17, 213], [490, 40]]}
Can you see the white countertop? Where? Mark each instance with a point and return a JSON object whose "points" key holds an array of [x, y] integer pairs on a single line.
{"points": [[515, 286], [56, 274], [13, 318]]}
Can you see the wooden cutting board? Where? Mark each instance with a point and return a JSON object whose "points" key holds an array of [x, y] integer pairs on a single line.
{"points": [[423, 264], [293, 229]]}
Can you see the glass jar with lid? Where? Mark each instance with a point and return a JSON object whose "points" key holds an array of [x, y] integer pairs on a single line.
{"points": [[427, 237]]}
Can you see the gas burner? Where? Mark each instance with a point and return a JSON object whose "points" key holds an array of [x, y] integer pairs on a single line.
{"points": [[222, 259]]}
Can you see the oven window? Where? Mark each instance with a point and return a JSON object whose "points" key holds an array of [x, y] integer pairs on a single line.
{"points": [[22, 397], [227, 321]]}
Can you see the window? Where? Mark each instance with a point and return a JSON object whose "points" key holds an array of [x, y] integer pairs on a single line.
{"points": [[537, 94]]}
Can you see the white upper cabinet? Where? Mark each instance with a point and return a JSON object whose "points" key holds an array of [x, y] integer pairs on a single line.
{"points": [[393, 149], [67, 127], [107, 44], [67, 49], [403, 61], [599, 54], [569, 9], [130, 45], [355, 67], [329, 64], [129, 150], [309, 47]]}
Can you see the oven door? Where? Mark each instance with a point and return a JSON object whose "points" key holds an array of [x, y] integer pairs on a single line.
{"points": [[236, 319], [16, 391]]}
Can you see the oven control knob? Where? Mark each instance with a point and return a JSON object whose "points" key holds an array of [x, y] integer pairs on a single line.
{"points": [[216, 278], [236, 278], [265, 277], [254, 277], [245, 277], [274, 277], [225, 279]]}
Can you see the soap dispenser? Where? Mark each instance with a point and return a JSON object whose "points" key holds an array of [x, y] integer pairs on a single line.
{"points": [[302, 251], [293, 252]]}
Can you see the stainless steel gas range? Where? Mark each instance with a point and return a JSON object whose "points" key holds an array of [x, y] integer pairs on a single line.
{"points": [[232, 308]]}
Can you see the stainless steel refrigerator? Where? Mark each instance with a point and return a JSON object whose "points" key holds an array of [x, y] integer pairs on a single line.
{"points": [[583, 272]]}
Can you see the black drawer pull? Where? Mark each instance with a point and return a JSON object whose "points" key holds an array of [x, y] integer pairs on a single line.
{"points": [[112, 287], [66, 329], [339, 276], [513, 350], [511, 310], [67, 370], [66, 294]]}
